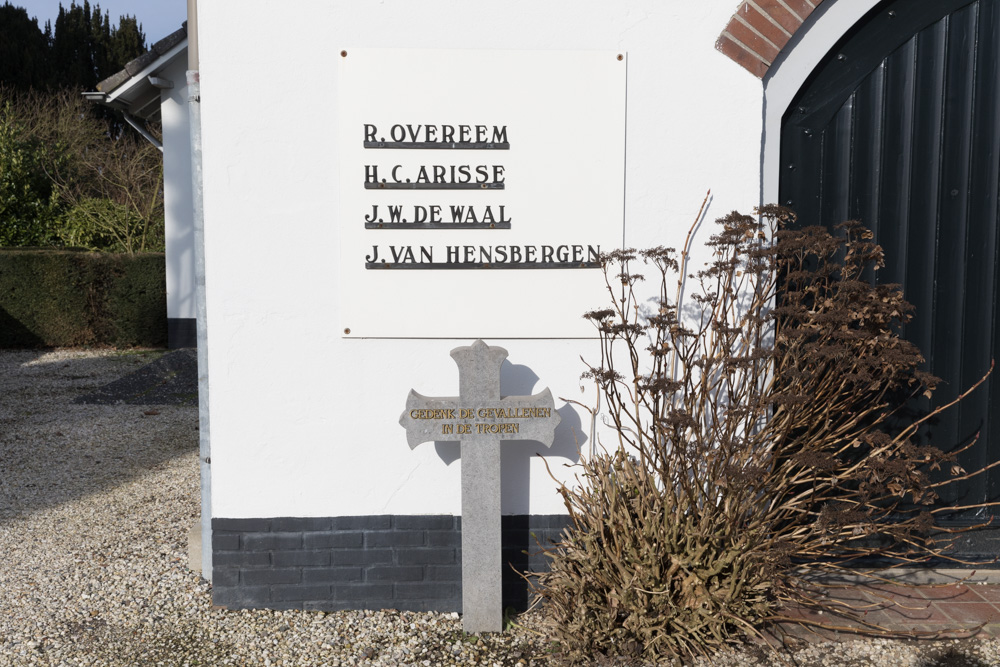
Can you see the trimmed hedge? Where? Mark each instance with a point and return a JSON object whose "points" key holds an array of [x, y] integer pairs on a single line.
{"points": [[60, 298]]}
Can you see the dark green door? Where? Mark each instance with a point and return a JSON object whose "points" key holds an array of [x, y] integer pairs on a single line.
{"points": [[899, 127]]}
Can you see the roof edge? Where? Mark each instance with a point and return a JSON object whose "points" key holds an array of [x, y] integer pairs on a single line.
{"points": [[156, 51]]}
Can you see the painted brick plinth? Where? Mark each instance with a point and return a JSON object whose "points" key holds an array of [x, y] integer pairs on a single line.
{"points": [[410, 563]]}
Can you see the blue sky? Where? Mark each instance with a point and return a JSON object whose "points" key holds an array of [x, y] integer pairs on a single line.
{"points": [[159, 18]]}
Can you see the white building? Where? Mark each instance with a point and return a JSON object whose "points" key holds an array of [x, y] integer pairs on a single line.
{"points": [[154, 87], [315, 114]]}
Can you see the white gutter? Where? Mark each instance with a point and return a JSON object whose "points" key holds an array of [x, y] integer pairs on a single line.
{"points": [[204, 432]]}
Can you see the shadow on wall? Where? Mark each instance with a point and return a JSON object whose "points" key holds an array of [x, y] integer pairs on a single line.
{"points": [[525, 534], [56, 447], [516, 455]]}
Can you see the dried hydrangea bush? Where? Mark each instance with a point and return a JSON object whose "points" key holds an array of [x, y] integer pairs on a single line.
{"points": [[761, 441]]}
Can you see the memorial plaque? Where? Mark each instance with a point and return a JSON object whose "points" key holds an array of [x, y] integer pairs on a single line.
{"points": [[471, 181], [480, 419]]}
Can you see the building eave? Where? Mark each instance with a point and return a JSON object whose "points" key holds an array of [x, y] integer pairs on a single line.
{"points": [[136, 89]]}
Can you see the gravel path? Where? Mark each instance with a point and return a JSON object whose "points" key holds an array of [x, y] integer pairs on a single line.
{"points": [[96, 500]]}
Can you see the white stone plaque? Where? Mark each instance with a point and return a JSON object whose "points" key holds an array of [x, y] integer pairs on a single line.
{"points": [[476, 190]]}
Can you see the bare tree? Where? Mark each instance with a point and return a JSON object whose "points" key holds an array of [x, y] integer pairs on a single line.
{"points": [[108, 180]]}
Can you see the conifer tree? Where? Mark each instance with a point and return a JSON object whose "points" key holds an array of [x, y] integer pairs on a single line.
{"points": [[24, 49], [125, 43], [81, 49]]}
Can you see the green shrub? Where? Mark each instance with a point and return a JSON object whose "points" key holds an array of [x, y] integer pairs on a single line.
{"points": [[69, 177], [71, 298], [84, 225], [29, 202], [136, 302], [758, 445]]}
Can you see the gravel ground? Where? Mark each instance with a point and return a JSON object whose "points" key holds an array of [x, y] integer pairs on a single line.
{"points": [[96, 500]]}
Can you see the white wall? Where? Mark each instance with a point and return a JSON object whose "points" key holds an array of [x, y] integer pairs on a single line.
{"points": [[177, 193], [304, 422]]}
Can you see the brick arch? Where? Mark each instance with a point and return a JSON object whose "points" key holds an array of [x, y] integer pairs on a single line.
{"points": [[760, 29]]}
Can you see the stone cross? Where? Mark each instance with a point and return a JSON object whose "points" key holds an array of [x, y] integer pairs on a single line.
{"points": [[480, 419]]}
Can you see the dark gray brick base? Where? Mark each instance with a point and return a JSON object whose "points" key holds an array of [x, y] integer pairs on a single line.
{"points": [[411, 563], [182, 333]]}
